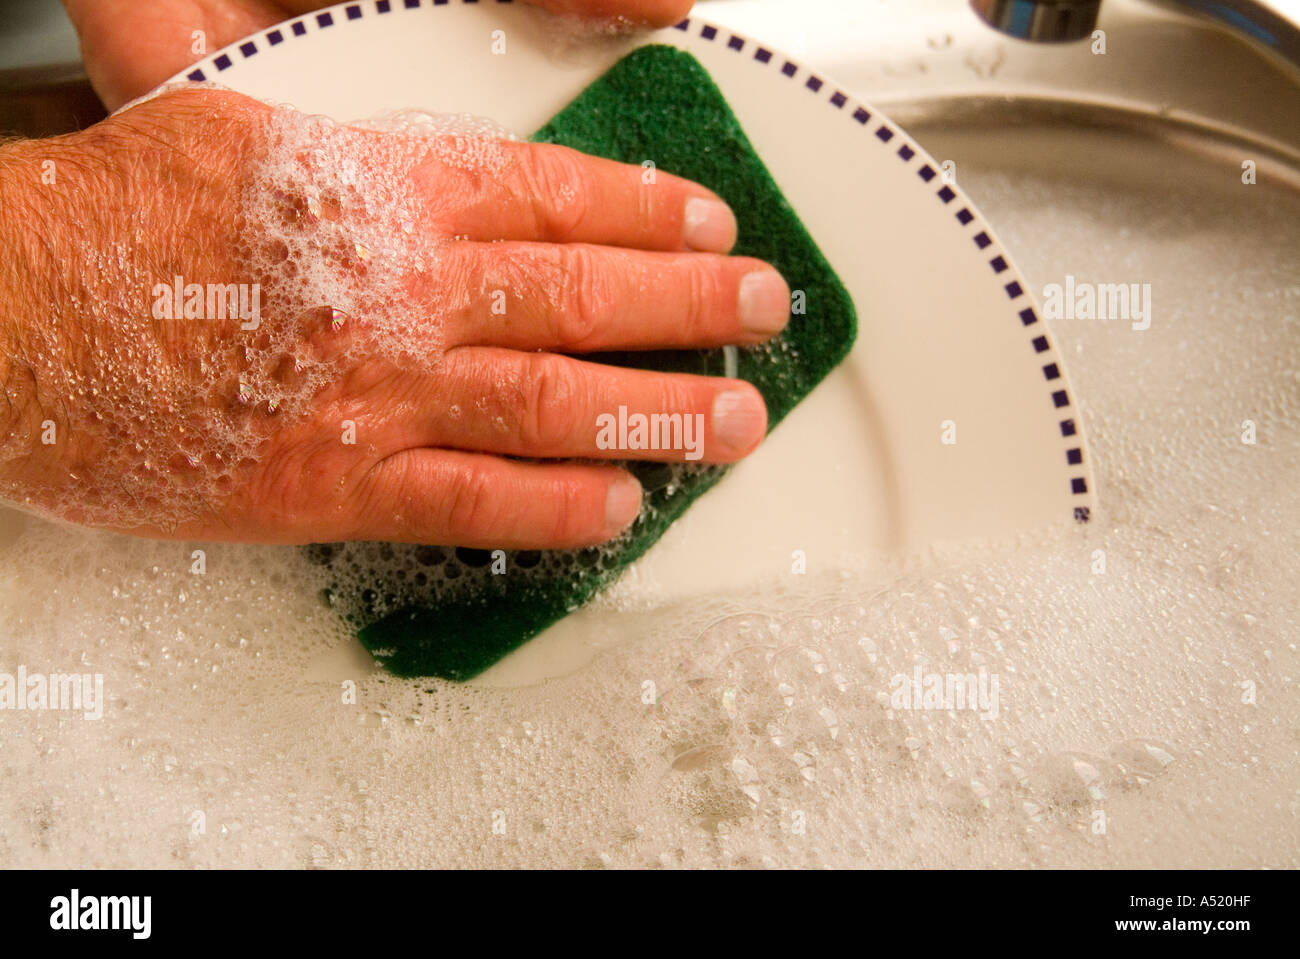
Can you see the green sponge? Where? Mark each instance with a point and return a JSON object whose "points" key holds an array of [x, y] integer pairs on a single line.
{"points": [[428, 611]]}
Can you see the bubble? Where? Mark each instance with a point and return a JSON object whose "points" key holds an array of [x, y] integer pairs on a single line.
{"points": [[330, 220], [772, 739], [1139, 761]]}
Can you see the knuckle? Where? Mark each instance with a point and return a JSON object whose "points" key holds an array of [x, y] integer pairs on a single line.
{"points": [[373, 493], [559, 189], [553, 400], [677, 396], [580, 315], [572, 519], [467, 508], [703, 279]]}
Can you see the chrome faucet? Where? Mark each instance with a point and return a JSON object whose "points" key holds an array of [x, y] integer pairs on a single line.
{"points": [[1054, 21], [1047, 21]]}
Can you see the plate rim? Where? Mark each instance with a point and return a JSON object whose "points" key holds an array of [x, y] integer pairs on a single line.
{"points": [[1022, 304]]}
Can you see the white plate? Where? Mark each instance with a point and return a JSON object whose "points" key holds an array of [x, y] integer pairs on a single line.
{"points": [[948, 332]]}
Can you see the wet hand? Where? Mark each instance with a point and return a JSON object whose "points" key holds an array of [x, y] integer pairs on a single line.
{"points": [[391, 363]]}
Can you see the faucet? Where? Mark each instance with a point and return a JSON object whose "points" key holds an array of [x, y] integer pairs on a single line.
{"points": [[1043, 21], [1055, 21]]}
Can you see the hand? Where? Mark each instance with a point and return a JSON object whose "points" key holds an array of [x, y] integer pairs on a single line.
{"points": [[129, 46], [206, 428]]}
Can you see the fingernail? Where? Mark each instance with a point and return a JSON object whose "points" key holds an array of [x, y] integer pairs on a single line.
{"points": [[622, 503], [739, 419], [764, 302], [710, 225]]}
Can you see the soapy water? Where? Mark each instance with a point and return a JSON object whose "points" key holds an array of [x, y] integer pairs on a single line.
{"points": [[1145, 714], [367, 581]]}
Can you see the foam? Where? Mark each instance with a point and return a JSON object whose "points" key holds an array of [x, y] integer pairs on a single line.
{"points": [[1119, 692], [413, 574], [351, 260]]}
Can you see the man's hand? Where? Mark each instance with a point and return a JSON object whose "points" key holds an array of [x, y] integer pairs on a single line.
{"points": [[307, 425], [131, 46]]}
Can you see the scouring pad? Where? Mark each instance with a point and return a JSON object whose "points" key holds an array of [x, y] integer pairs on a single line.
{"points": [[429, 611]]}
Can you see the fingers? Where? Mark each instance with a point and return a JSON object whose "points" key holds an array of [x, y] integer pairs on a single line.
{"points": [[467, 499], [129, 47], [577, 298], [557, 195], [544, 405], [654, 13]]}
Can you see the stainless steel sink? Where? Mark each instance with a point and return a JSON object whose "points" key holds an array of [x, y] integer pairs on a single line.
{"points": [[928, 62]]}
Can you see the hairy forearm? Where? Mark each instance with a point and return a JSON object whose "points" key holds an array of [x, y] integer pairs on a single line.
{"points": [[54, 194], [28, 205], [102, 399]]}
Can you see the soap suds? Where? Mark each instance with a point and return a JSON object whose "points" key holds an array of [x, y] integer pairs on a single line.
{"points": [[335, 234], [764, 738]]}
